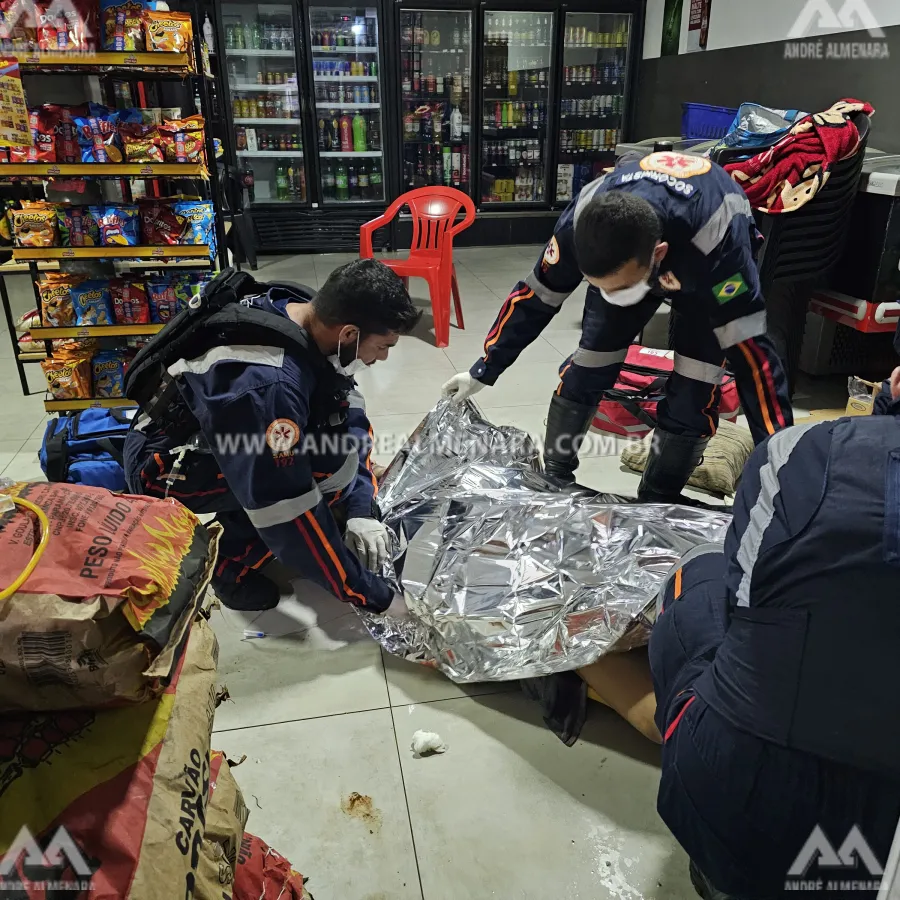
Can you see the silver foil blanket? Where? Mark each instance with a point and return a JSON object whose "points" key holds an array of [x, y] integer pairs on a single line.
{"points": [[506, 575]]}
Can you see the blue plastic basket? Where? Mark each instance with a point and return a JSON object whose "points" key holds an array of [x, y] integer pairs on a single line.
{"points": [[700, 120]]}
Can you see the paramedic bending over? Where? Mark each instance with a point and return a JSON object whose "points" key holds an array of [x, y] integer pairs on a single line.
{"points": [[671, 224]]}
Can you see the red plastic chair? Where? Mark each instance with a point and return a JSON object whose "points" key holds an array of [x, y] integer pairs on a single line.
{"points": [[434, 211]]}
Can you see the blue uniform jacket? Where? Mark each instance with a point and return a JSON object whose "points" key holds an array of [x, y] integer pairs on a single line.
{"points": [[253, 407]]}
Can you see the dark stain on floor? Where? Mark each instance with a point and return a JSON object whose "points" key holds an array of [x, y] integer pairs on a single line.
{"points": [[360, 806]]}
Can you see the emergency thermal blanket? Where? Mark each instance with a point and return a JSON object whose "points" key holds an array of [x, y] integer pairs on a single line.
{"points": [[508, 576]]}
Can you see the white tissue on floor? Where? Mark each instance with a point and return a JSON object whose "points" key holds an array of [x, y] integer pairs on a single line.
{"points": [[425, 743]]}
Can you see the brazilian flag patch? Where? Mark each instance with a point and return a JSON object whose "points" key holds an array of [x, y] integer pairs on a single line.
{"points": [[730, 288]]}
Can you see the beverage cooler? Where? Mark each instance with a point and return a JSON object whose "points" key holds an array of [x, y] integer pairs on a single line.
{"points": [[337, 110]]}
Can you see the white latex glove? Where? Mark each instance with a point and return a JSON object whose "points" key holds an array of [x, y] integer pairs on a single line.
{"points": [[398, 608], [461, 387], [368, 539]]}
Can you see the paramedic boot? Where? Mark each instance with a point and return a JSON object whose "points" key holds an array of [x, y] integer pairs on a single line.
{"points": [[567, 423], [254, 592], [672, 460]]}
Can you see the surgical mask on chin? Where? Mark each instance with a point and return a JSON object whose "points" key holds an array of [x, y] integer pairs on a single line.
{"points": [[353, 367]]}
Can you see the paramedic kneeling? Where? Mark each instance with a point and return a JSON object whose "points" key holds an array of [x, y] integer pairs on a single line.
{"points": [[775, 665], [249, 410]]}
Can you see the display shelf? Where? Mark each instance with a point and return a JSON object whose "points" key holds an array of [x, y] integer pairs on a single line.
{"points": [[271, 154], [341, 105], [267, 121], [105, 170], [363, 153], [93, 403], [528, 164], [32, 356], [330, 50], [84, 331], [347, 78], [283, 54], [48, 60], [139, 252], [421, 48], [266, 88]]}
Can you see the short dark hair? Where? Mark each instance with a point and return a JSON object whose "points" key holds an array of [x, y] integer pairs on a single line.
{"points": [[368, 294], [614, 227]]}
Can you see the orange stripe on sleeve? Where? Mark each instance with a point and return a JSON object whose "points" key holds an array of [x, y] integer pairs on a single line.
{"points": [[760, 393], [369, 462], [768, 380], [677, 584], [493, 340], [334, 557], [561, 376], [502, 313], [319, 560]]}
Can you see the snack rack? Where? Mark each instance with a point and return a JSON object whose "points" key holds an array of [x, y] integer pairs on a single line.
{"points": [[123, 66]]}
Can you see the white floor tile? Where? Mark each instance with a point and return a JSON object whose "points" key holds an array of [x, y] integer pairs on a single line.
{"points": [[24, 467], [607, 474], [8, 452], [391, 390], [317, 660], [521, 386], [411, 683], [565, 340], [465, 348], [391, 434], [509, 811], [298, 780]]}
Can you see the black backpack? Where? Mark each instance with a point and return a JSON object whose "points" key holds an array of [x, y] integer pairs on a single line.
{"points": [[217, 317]]}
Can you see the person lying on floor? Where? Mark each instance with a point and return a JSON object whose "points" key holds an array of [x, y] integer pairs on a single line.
{"points": [[276, 441], [773, 665]]}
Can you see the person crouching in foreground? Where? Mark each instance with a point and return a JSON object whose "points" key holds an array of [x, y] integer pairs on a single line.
{"points": [[773, 665], [274, 439]]}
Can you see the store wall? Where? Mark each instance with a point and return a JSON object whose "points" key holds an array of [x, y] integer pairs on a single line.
{"points": [[746, 59]]}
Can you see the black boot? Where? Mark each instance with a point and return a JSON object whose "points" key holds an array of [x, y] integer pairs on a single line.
{"points": [[253, 593], [567, 423], [704, 886], [672, 460]]}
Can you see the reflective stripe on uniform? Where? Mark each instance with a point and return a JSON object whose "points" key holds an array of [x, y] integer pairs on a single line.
{"points": [[544, 294], [251, 354], [357, 401], [674, 572], [780, 447], [284, 510], [596, 359], [697, 370], [585, 197], [712, 233], [342, 478], [741, 330]]}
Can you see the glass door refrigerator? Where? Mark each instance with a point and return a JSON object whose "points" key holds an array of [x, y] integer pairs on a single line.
{"points": [[347, 87], [517, 63], [260, 72], [593, 96], [436, 98]]}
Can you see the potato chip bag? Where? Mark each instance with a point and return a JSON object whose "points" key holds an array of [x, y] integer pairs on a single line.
{"points": [[118, 225], [77, 227], [43, 134], [35, 226], [169, 32], [92, 302], [68, 378], [183, 139], [167, 296], [160, 224], [109, 367], [141, 142], [55, 289], [18, 25], [98, 136], [130, 303], [121, 24], [72, 25]]}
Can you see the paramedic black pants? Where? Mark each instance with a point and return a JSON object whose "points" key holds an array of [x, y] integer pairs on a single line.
{"points": [[742, 807], [691, 404]]}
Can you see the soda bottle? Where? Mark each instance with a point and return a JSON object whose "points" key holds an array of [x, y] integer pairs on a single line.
{"points": [[229, 37], [435, 37], [464, 167], [426, 125], [255, 36], [456, 33], [291, 181], [248, 181], [498, 114], [416, 75], [456, 163], [301, 182], [341, 182], [353, 183], [327, 181], [363, 178], [375, 181], [447, 165], [359, 133], [406, 83], [281, 184], [346, 133], [295, 140]]}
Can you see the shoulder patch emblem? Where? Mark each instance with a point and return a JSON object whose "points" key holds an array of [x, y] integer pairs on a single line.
{"points": [[551, 254], [730, 288], [282, 436], [681, 165]]}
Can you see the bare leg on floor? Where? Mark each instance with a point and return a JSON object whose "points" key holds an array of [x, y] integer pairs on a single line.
{"points": [[622, 682]]}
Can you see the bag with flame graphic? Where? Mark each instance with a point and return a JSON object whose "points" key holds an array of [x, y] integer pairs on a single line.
{"points": [[123, 792], [102, 617]]}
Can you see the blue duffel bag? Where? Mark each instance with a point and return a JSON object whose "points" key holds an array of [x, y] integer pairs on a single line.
{"points": [[87, 447]]}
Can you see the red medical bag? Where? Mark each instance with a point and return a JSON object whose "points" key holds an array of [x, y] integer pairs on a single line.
{"points": [[629, 408]]}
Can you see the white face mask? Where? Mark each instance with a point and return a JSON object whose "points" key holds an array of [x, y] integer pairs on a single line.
{"points": [[352, 368], [628, 296]]}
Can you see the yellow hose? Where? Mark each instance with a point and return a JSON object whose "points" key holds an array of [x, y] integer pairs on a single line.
{"points": [[39, 551]]}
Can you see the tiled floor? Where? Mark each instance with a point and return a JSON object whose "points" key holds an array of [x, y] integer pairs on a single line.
{"points": [[508, 812]]}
